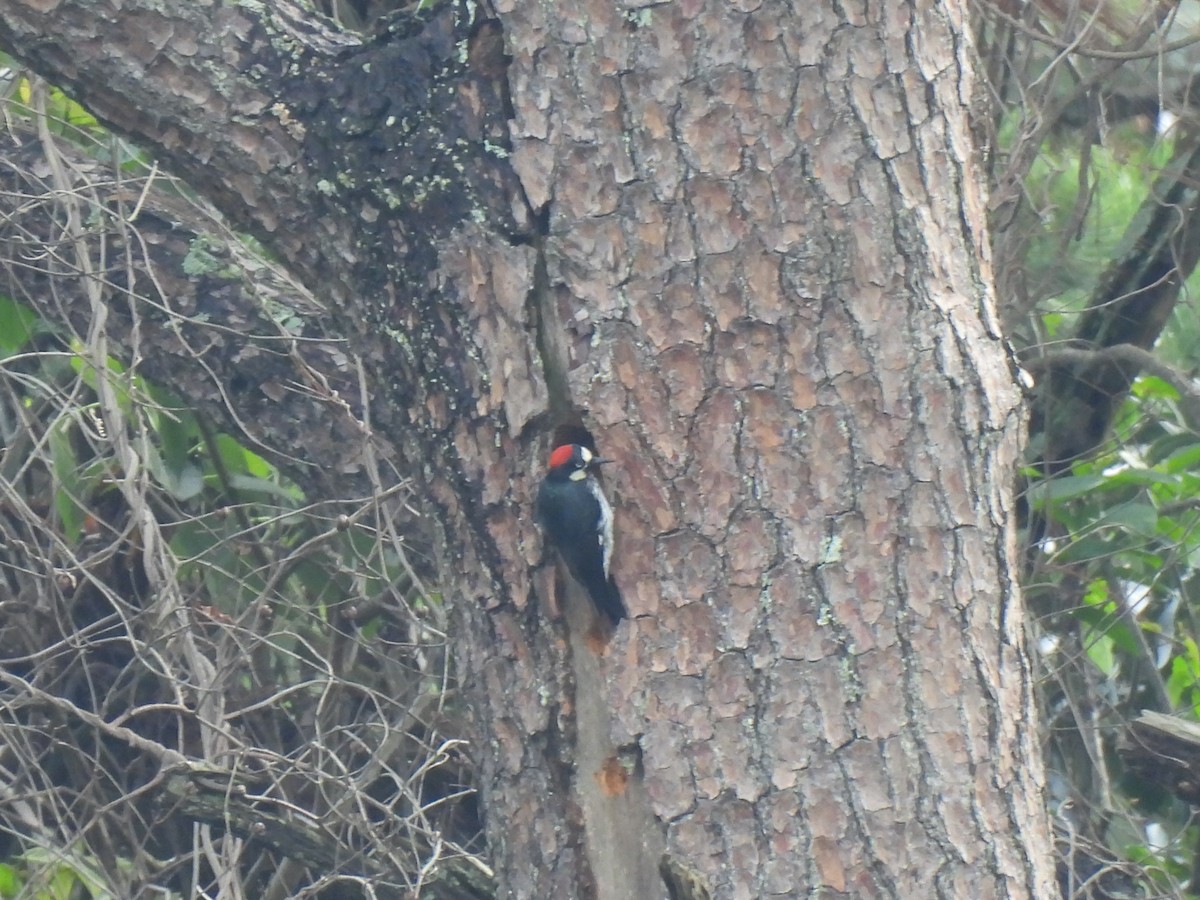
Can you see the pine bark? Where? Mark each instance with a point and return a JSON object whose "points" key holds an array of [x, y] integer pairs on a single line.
{"points": [[743, 245]]}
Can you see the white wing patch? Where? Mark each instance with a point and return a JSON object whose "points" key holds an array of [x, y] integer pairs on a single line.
{"points": [[605, 526]]}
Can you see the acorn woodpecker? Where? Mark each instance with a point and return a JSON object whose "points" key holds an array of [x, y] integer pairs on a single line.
{"points": [[576, 518]]}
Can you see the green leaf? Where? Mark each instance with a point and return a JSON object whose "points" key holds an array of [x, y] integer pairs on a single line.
{"points": [[237, 460], [68, 484], [63, 873], [1138, 477], [320, 584], [18, 323], [10, 881], [1122, 639], [1185, 459], [1099, 646], [1148, 387], [1052, 322], [1067, 487], [1136, 516], [192, 541], [118, 380], [1191, 653], [1086, 549], [262, 486], [71, 112], [182, 483], [1096, 593], [175, 432], [1180, 681]]}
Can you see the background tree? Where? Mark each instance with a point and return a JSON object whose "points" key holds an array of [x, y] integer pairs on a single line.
{"points": [[1094, 217], [740, 247]]}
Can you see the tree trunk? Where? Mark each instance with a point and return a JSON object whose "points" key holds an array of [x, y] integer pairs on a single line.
{"points": [[742, 246]]}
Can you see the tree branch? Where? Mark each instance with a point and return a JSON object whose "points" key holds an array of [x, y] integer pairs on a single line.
{"points": [[231, 335], [254, 104], [1075, 402], [1131, 360]]}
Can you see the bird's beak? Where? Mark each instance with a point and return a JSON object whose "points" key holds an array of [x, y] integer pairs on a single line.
{"points": [[599, 461]]}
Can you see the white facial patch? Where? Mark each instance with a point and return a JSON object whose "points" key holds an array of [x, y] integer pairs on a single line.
{"points": [[585, 454], [578, 475]]}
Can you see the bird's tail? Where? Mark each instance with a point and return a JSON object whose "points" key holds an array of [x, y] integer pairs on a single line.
{"points": [[607, 598]]}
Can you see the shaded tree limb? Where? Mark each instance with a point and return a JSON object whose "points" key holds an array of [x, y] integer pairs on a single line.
{"points": [[1078, 396], [1166, 750], [1132, 360], [234, 800], [228, 800], [242, 341]]}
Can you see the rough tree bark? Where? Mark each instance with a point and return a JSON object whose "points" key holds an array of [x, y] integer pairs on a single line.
{"points": [[743, 244]]}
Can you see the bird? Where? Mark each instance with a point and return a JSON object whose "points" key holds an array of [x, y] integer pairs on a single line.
{"points": [[577, 521]]}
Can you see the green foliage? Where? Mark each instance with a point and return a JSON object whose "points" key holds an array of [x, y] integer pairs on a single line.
{"points": [[18, 324], [64, 114], [309, 601], [1080, 208], [1114, 579], [11, 881], [1132, 510], [1125, 526], [1181, 338], [44, 875]]}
